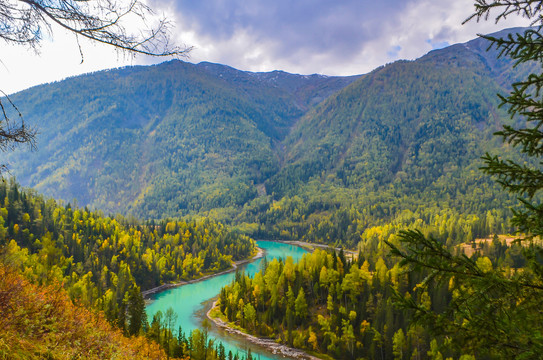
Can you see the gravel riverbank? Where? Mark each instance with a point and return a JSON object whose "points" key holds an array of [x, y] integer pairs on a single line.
{"points": [[269, 344]]}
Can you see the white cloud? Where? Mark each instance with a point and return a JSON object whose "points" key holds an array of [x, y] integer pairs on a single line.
{"points": [[60, 57], [22, 68]]}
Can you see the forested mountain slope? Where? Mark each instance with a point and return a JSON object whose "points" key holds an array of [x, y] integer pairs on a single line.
{"points": [[314, 157], [413, 121], [402, 143], [162, 140]]}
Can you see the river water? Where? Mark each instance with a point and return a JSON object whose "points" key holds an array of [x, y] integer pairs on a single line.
{"points": [[188, 301]]}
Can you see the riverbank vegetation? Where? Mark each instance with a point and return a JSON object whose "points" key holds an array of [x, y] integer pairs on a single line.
{"points": [[332, 305]]}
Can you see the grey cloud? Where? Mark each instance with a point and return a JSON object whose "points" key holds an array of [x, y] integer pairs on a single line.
{"points": [[443, 35], [293, 27], [335, 37]]}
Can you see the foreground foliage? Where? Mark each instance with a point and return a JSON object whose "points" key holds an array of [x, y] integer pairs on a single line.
{"points": [[496, 313], [41, 322], [494, 310]]}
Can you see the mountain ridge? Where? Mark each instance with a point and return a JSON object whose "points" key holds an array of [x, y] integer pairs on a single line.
{"points": [[145, 105], [179, 139]]}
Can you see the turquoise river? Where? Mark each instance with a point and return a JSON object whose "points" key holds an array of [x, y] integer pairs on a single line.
{"points": [[188, 301]]}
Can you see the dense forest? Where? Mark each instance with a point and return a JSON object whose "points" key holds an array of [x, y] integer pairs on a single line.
{"points": [[103, 263], [328, 303]]}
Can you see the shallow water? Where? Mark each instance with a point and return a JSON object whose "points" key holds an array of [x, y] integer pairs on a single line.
{"points": [[188, 300]]}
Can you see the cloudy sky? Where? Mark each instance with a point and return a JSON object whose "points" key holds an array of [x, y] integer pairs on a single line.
{"points": [[332, 37]]}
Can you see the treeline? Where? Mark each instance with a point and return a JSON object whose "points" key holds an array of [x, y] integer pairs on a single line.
{"points": [[329, 304], [367, 220], [105, 262]]}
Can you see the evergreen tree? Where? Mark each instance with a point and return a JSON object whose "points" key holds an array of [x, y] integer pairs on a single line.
{"points": [[495, 311], [300, 305], [136, 311]]}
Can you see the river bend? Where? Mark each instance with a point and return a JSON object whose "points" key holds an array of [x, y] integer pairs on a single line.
{"points": [[188, 300]]}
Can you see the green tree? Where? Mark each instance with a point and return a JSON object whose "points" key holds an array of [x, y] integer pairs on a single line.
{"points": [[156, 326], [170, 318], [434, 353], [249, 313], [136, 311], [348, 335], [198, 344], [300, 305], [399, 344], [495, 312]]}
